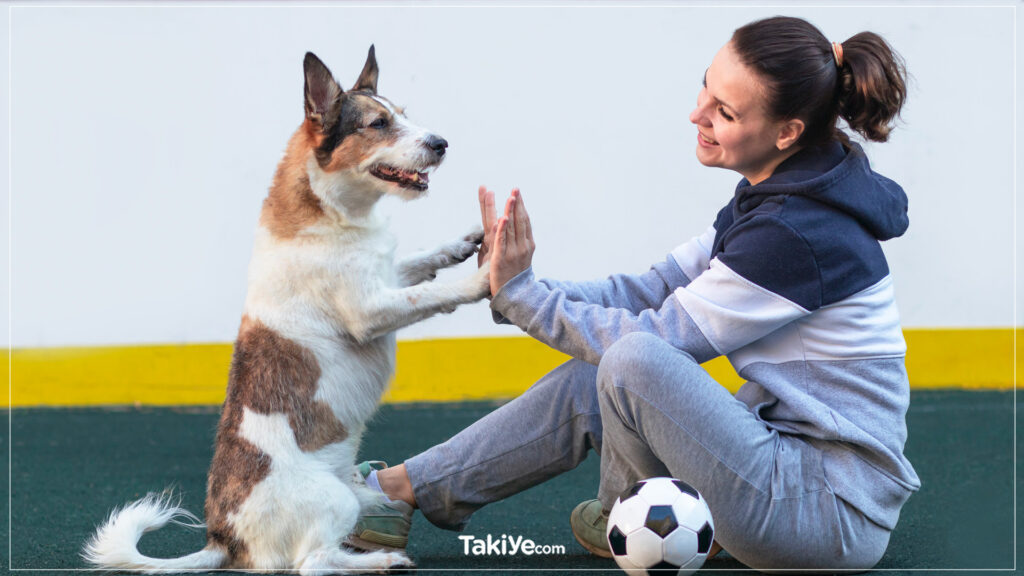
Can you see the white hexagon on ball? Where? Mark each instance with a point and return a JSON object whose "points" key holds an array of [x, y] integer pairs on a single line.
{"points": [[659, 492], [691, 512], [643, 547], [680, 546], [629, 515]]}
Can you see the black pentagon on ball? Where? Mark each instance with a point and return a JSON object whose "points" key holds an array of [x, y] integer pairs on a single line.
{"points": [[686, 488], [617, 541], [705, 537], [661, 520], [664, 565], [631, 491]]}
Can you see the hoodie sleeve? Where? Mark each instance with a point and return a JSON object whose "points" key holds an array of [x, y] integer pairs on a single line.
{"points": [[720, 311], [637, 293], [584, 330]]}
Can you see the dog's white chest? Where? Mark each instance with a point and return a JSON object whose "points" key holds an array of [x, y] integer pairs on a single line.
{"points": [[302, 285]]}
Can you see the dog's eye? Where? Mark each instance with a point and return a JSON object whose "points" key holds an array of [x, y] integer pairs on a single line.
{"points": [[379, 123]]}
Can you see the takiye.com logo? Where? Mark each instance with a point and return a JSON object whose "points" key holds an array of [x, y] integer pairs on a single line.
{"points": [[506, 545]]}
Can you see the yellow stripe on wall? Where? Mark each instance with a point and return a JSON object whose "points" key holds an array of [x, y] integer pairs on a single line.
{"points": [[964, 358], [430, 370]]}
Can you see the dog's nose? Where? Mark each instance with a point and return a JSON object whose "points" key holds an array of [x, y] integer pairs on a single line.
{"points": [[437, 144]]}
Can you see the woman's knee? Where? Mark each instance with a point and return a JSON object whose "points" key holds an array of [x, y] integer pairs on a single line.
{"points": [[636, 358]]}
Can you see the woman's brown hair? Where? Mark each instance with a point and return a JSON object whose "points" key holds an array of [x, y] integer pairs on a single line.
{"points": [[801, 74]]}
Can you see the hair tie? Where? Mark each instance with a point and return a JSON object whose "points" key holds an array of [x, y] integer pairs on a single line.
{"points": [[837, 53]]}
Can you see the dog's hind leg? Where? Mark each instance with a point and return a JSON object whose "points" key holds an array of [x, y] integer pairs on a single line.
{"points": [[338, 561], [423, 266]]}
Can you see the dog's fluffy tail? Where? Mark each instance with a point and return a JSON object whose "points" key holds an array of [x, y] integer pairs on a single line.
{"points": [[115, 544]]}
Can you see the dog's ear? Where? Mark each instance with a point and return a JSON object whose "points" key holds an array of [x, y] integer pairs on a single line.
{"points": [[368, 77], [323, 94]]}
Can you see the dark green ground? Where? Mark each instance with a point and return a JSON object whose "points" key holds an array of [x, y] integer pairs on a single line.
{"points": [[69, 467]]}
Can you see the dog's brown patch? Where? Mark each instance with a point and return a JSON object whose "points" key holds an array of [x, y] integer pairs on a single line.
{"points": [[279, 376], [291, 205], [236, 468], [270, 374]]}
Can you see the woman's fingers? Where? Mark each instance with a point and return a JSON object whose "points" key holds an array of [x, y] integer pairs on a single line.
{"points": [[523, 228], [488, 218], [509, 206], [487, 215], [518, 215], [510, 233], [500, 238]]}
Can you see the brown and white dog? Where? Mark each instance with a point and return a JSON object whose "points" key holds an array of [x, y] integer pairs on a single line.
{"points": [[316, 347]]}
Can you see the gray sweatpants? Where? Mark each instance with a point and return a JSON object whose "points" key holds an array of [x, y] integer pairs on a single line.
{"points": [[650, 410]]}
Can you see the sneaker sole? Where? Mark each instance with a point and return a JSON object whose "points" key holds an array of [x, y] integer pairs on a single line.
{"points": [[370, 541], [595, 550]]}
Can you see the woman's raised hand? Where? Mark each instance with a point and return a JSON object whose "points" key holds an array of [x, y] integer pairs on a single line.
{"points": [[512, 242]]}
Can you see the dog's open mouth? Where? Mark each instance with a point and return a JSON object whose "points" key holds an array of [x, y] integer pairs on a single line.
{"points": [[404, 178]]}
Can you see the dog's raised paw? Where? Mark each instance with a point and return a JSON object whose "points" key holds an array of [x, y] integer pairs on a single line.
{"points": [[476, 235], [460, 251]]}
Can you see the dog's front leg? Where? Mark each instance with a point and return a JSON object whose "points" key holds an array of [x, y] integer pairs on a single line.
{"points": [[423, 266], [388, 310]]}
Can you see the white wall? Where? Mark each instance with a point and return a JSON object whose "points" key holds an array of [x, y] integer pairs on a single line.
{"points": [[144, 138]]}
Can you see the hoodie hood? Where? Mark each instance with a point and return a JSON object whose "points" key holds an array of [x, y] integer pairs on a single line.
{"points": [[838, 177]]}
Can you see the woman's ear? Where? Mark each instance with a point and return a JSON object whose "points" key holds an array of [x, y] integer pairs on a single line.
{"points": [[789, 132]]}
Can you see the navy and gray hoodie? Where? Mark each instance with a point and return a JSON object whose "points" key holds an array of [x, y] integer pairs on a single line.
{"points": [[791, 284]]}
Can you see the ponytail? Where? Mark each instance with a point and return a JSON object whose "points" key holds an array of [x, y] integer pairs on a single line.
{"points": [[872, 86]]}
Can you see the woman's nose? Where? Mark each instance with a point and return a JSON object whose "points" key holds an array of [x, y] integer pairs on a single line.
{"points": [[699, 114]]}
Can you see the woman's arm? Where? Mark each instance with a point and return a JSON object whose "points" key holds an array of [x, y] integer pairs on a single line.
{"points": [[633, 292], [637, 293], [720, 311]]}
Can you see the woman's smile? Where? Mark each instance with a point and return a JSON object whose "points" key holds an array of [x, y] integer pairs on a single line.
{"points": [[705, 141]]}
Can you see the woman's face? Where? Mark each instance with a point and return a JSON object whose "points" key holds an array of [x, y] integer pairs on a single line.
{"points": [[733, 128]]}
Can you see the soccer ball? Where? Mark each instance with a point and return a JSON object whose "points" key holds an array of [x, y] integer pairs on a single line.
{"points": [[660, 524]]}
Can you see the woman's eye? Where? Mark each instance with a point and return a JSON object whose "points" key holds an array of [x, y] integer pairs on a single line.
{"points": [[379, 123], [724, 113]]}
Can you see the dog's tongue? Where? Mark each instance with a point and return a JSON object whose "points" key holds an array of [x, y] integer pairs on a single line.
{"points": [[415, 176], [405, 175]]}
